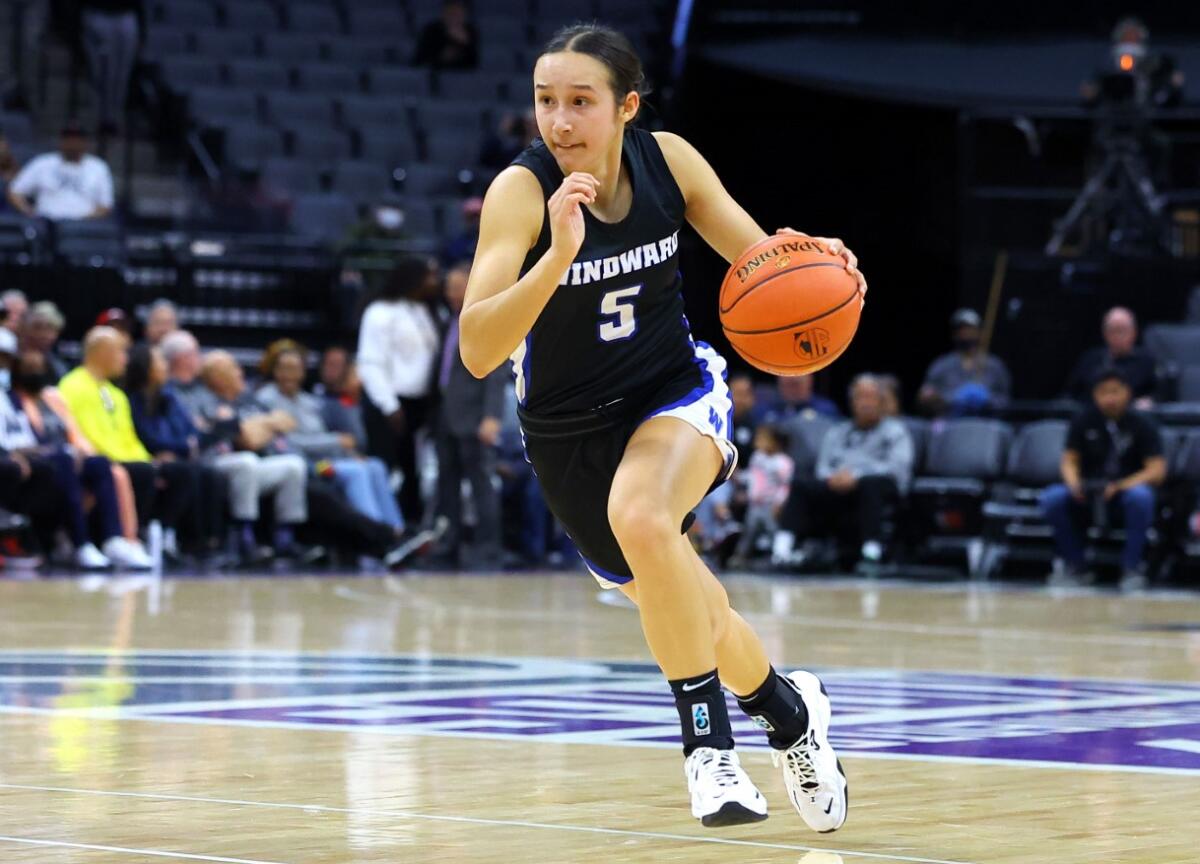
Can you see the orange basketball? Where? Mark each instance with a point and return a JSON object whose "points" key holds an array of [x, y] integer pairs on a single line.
{"points": [[788, 306]]}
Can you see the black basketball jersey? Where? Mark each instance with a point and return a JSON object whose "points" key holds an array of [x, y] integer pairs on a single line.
{"points": [[615, 325]]}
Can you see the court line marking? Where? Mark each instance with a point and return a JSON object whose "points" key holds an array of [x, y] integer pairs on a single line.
{"points": [[508, 823], [153, 853]]}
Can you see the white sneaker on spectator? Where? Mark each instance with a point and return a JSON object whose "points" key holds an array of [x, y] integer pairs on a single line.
{"points": [[88, 557], [128, 553]]}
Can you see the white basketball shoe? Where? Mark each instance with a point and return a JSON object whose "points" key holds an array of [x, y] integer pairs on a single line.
{"points": [[721, 792], [812, 773]]}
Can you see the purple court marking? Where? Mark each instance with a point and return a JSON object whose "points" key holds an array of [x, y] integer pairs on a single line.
{"points": [[1126, 725]]}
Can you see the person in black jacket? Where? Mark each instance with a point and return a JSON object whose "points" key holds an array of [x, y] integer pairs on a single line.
{"points": [[468, 430], [1112, 463], [451, 42], [1120, 350]]}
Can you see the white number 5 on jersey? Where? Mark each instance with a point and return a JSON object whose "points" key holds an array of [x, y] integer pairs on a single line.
{"points": [[620, 304]]}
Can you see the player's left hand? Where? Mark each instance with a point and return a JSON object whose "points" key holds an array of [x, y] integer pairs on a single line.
{"points": [[837, 247]]}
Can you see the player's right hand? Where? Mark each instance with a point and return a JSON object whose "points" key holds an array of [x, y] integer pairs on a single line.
{"points": [[566, 215]]}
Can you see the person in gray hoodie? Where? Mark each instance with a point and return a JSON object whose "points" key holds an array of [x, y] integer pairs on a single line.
{"points": [[363, 480], [865, 464]]}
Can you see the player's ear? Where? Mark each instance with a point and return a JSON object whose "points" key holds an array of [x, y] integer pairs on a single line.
{"points": [[629, 108]]}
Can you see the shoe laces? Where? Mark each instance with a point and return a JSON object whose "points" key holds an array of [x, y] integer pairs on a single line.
{"points": [[799, 761], [721, 767]]}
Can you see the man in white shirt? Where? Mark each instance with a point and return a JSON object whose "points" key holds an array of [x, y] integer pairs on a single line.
{"points": [[69, 184]]}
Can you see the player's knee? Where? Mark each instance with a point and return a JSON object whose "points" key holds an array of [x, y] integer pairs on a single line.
{"points": [[638, 523]]}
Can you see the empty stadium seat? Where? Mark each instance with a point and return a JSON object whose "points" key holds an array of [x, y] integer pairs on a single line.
{"points": [[1188, 387], [251, 16], [291, 48], [504, 30], [395, 81], [184, 13], [332, 78], [420, 216], [363, 51], [184, 72], [258, 74], [322, 216], [313, 18], [500, 59], [467, 85], [217, 107], [430, 180], [163, 41], [469, 118], [319, 145], [289, 109], [451, 148], [1176, 344], [293, 176], [391, 145], [222, 43], [361, 180], [247, 146], [376, 21], [89, 242]]}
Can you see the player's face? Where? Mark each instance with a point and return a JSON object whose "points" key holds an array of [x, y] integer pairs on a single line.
{"points": [[577, 115]]}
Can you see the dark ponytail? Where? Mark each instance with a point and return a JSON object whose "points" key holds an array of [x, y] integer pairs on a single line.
{"points": [[608, 46]]}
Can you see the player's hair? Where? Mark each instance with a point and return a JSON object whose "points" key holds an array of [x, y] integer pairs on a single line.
{"points": [[611, 48]]}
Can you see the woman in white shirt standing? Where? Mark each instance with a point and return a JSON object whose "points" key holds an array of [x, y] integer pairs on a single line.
{"points": [[398, 344]]}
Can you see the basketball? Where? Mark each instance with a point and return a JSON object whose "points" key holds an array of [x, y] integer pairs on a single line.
{"points": [[788, 306]]}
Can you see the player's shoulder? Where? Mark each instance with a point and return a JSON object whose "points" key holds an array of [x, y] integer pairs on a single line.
{"points": [[514, 203]]}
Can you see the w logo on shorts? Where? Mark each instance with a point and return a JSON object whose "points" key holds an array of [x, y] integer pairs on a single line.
{"points": [[700, 724], [715, 419]]}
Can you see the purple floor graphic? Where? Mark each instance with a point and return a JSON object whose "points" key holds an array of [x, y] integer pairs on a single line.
{"points": [[1125, 725]]}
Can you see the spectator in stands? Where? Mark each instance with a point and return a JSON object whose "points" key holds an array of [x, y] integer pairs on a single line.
{"points": [[246, 444], [745, 400], [892, 406], [1120, 349], [77, 469], [865, 465], [341, 395], [40, 333], [13, 306], [111, 38], [468, 430], [116, 318], [767, 477], [167, 431], [161, 321], [102, 412], [53, 423], [965, 381], [1112, 463], [8, 162], [69, 184], [182, 353], [364, 481], [461, 247], [516, 132], [795, 398], [398, 350], [333, 371], [451, 42]]}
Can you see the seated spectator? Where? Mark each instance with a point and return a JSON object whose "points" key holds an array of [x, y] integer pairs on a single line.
{"points": [[797, 399], [965, 381], [515, 133], [161, 320], [13, 306], [363, 480], [69, 184], [468, 430], [245, 443], [43, 325], [340, 391], [461, 247], [767, 478], [1111, 465], [166, 429], [54, 424], [118, 320], [451, 42], [1120, 349], [892, 405], [181, 352], [865, 464], [745, 400], [8, 162], [73, 476]]}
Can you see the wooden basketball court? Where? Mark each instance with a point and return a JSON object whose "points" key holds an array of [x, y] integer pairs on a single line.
{"points": [[515, 719]]}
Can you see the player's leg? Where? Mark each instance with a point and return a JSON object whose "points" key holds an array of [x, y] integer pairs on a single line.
{"points": [[666, 468]]}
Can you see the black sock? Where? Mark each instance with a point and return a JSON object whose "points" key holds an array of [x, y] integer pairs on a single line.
{"points": [[703, 715], [777, 709]]}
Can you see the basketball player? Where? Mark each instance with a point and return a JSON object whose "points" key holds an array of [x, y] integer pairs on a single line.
{"points": [[626, 418]]}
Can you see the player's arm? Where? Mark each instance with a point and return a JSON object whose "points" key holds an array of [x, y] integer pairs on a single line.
{"points": [[500, 308], [719, 219], [710, 209]]}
